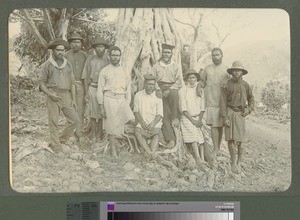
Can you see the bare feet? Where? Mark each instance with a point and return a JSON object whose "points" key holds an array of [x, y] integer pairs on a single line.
{"points": [[235, 168]]}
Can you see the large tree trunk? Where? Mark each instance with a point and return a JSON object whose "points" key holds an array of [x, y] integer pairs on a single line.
{"points": [[140, 35]]}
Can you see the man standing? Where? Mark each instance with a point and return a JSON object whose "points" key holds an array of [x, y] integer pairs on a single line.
{"points": [[114, 96], [57, 81], [235, 104], [77, 58], [94, 64], [169, 82], [148, 111], [192, 108], [214, 75]]}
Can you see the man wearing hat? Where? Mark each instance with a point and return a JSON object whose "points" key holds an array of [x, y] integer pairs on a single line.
{"points": [[235, 104], [114, 96], [192, 108], [214, 75], [169, 80], [77, 58], [148, 111], [93, 65], [56, 80]]}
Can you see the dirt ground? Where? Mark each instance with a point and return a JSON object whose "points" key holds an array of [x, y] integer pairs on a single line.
{"points": [[266, 166]]}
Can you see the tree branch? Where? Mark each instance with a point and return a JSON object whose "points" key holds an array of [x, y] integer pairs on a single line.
{"points": [[79, 13], [36, 32], [186, 24], [48, 23]]}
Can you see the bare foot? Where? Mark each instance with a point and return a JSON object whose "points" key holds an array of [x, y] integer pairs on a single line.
{"points": [[234, 168]]}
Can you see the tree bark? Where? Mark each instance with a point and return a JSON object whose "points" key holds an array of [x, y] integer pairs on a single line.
{"points": [[140, 33]]}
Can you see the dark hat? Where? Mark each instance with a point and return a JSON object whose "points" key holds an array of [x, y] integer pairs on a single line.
{"points": [[75, 36], [237, 65], [150, 77], [167, 46], [100, 41], [56, 42], [189, 72]]}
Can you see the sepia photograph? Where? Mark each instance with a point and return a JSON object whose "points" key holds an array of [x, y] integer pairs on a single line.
{"points": [[149, 99]]}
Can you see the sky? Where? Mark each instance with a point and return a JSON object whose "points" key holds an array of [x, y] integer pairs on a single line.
{"points": [[259, 24]]}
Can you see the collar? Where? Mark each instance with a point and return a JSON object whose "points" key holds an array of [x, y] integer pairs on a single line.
{"points": [[191, 86], [53, 62], [164, 64]]}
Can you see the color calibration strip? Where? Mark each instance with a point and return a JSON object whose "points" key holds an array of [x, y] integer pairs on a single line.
{"points": [[169, 216]]}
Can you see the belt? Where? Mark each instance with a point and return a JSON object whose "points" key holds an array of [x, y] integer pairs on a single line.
{"points": [[236, 109], [94, 85], [57, 90], [114, 95]]}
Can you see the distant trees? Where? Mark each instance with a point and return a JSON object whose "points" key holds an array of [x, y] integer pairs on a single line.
{"points": [[39, 26]]}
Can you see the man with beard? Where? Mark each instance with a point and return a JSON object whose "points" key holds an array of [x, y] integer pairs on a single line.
{"points": [[77, 58], [148, 111], [235, 104], [57, 81], [93, 65], [169, 82], [114, 96], [214, 75]]}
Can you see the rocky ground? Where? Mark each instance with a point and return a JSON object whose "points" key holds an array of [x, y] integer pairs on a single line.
{"points": [[35, 168]]}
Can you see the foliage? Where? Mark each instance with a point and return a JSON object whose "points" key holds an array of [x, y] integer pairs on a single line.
{"points": [[275, 95], [89, 23]]}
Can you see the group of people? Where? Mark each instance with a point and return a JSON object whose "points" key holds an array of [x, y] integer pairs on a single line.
{"points": [[96, 86]]}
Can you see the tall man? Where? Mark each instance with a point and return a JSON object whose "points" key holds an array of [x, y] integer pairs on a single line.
{"points": [[169, 82], [114, 96], [57, 81], [77, 58], [94, 64], [148, 111], [214, 75], [236, 103]]}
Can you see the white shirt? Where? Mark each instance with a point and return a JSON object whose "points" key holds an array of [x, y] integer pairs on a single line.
{"points": [[148, 106], [189, 101]]}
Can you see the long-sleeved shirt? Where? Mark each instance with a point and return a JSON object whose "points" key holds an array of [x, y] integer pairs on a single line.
{"points": [[115, 81], [77, 60], [214, 76], [148, 106], [190, 102], [168, 73], [93, 66], [236, 95], [54, 76]]}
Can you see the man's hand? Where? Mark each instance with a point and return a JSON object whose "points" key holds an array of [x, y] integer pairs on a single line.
{"points": [[54, 96], [166, 93], [102, 111], [74, 105], [175, 123], [197, 123], [86, 98], [158, 93], [246, 112], [150, 126], [227, 122], [144, 126]]}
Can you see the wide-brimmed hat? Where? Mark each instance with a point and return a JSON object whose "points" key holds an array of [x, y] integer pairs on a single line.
{"points": [[56, 42], [75, 36], [100, 41], [167, 46], [190, 72], [237, 65]]}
